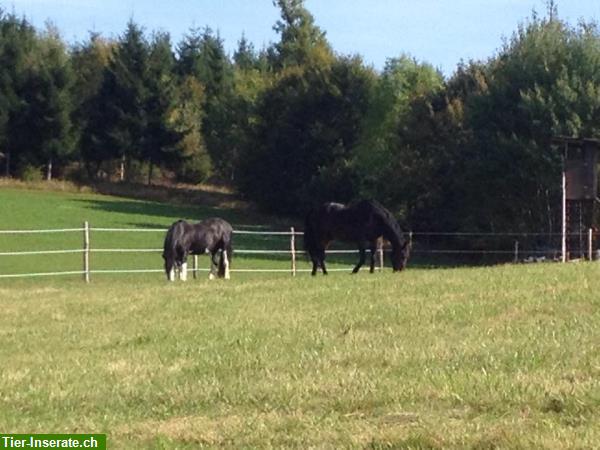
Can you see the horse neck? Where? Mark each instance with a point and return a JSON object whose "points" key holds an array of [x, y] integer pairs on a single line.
{"points": [[392, 235]]}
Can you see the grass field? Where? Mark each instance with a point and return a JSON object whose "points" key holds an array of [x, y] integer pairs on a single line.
{"points": [[31, 209], [497, 357]]}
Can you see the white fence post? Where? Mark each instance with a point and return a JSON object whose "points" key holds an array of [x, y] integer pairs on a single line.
{"points": [[86, 251], [380, 253], [516, 252], [590, 244], [194, 266], [293, 250]]}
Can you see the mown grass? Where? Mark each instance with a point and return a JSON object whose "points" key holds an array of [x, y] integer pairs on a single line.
{"points": [[503, 357], [498, 357]]}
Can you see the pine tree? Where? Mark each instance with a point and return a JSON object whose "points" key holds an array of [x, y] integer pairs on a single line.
{"points": [[89, 61], [301, 43], [161, 137], [123, 97], [17, 44], [43, 127], [202, 55], [245, 57]]}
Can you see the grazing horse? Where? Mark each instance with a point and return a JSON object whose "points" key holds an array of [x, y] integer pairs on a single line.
{"points": [[363, 223], [208, 236]]}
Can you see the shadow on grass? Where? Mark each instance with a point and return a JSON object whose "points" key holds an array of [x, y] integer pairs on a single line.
{"points": [[171, 212]]}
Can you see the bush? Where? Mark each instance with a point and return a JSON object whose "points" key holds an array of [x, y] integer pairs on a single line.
{"points": [[31, 173]]}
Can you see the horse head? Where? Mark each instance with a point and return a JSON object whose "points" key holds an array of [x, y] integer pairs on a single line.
{"points": [[400, 254]]}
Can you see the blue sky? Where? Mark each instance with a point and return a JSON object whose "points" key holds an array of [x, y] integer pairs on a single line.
{"points": [[441, 32]]}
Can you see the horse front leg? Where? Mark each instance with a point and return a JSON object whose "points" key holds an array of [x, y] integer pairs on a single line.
{"points": [[361, 260], [171, 271], [323, 267], [373, 248], [315, 266], [317, 262], [183, 269]]}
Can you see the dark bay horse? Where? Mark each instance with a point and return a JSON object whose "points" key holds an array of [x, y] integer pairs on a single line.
{"points": [[362, 222], [209, 236]]}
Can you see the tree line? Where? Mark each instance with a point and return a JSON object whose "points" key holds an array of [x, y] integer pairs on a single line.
{"points": [[296, 123]]}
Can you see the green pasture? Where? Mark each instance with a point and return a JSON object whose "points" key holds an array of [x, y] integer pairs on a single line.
{"points": [[34, 209], [481, 358]]}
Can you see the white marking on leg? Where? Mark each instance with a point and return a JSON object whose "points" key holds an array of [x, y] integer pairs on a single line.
{"points": [[183, 273], [226, 264], [213, 268], [172, 274]]}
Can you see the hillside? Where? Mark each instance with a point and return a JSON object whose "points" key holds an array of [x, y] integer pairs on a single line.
{"points": [[65, 206]]}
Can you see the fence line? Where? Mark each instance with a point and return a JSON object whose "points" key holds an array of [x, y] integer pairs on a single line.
{"points": [[87, 250], [42, 274], [135, 230], [53, 230], [163, 230], [41, 252]]}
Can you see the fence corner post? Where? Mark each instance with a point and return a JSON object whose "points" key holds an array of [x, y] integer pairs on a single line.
{"points": [[86, 251], [293, 249], [590, 244]]}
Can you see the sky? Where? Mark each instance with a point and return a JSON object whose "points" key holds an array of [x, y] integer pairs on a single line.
{"points": [[440, 32]]}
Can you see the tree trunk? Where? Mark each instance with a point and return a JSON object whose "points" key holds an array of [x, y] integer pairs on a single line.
{"points": [[49, 170], [7, 164], [150, 170], [122, 169]]}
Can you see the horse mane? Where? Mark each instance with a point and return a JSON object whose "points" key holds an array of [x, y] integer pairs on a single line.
{"points": [[386, 217], [173, 236]]}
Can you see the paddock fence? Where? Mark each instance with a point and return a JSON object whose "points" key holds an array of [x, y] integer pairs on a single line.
{"points": [[428, 248]]}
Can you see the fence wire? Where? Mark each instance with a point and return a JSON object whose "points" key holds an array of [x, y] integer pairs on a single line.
{"points": [[462, 247]]}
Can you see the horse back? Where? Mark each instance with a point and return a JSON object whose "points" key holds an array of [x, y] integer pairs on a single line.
{"points": [[365, 220], [210, 234]]}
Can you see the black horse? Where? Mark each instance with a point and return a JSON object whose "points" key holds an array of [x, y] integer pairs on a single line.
{"points": [[363, 222], [209, 236]]}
